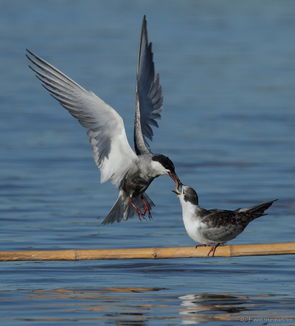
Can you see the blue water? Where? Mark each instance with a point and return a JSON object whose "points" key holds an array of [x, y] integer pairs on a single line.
{"points": [[228, 74]]}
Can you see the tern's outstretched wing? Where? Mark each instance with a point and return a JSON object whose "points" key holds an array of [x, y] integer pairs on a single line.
{"points": [[149, 98], [111, 150]]}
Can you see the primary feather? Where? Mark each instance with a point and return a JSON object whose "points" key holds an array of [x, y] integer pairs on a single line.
{"points": [[149, 99]]}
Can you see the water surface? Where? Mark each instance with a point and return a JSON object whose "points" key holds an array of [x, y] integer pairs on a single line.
{"points": [[228, 76]]}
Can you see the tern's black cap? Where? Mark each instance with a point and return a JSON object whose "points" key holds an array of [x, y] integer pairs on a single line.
{"points": [[165, 161]]}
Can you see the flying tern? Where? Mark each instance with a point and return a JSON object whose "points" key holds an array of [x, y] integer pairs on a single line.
{"points": [[131, 172]]}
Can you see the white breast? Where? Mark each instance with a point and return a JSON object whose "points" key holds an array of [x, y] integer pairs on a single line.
{"points": [[192, 223]]}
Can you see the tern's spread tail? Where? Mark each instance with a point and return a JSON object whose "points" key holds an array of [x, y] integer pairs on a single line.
{"points": [[122, 210], [257, 211]]}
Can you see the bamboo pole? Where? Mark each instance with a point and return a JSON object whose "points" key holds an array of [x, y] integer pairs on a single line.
{"points": [[150, 253]]}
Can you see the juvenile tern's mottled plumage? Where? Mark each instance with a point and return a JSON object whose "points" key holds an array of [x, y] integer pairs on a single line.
{"points": [[215, 226], [131, 172]]}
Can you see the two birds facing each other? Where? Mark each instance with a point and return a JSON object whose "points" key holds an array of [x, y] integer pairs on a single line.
{"points": [[132, 172]]}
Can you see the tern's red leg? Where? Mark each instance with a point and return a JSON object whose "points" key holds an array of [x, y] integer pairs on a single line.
{"points": [[137, 210], [213, 249], [146, 207]]}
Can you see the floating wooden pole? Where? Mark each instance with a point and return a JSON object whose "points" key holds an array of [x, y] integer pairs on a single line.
{"points": [[150, 253]]}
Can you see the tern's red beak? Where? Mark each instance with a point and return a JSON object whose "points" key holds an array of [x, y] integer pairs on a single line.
{"points": [[175, 178]]}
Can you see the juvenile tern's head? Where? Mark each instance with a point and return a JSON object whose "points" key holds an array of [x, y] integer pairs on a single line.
{"points": [[187, 194]]}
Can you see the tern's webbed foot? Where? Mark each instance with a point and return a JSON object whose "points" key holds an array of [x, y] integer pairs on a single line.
{"points": [[147, 210], [137, 210], [146, 207], [200, 245]]}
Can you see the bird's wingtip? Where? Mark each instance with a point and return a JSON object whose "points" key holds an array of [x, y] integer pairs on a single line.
{"points": [[144, 26], [272, 201], [29, 52]]}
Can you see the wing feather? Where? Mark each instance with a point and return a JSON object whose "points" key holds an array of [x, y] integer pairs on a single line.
{"points": [[149, 99], [111, 150]]}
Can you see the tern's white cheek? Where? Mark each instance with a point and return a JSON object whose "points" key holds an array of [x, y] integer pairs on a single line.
{"points": [[158, 168]]}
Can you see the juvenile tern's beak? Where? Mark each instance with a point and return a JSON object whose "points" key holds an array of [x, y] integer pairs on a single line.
{"points": [[176, 191]]}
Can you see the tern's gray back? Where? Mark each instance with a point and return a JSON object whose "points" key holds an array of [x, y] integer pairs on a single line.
{"points": [[223, 225]]}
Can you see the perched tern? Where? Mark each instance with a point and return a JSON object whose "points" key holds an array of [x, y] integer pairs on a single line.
{"points": [[131, 172], [214, 226]]}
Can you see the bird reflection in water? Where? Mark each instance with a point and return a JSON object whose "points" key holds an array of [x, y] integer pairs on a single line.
{"points": [[218, 306]]}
